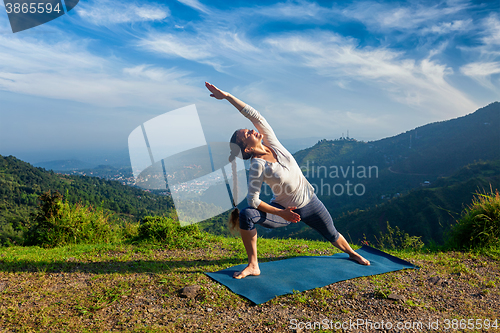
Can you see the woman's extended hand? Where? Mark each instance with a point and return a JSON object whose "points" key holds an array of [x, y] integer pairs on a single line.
{"points": [[216, 92], [289, 215], [219, 94]]}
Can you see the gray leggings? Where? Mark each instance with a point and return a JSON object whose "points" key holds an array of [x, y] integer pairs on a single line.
{"points": [[314, 214]]}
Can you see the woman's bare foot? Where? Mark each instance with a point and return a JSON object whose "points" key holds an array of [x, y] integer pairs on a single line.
{"points": [[359, 259], [249, 270]]}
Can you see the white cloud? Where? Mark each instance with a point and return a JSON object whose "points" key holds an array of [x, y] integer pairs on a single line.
{"points": [[151, 13], [195, 4], [481, 69], [486, 68], [420, 83], [395, 16], [217, 47], [492, 30], [191, 48], [153, 73], [297, 11], [66, 70], [417, 83], [447, 27], [106, 12], [486, 47], [482, 72], [26, 55]]}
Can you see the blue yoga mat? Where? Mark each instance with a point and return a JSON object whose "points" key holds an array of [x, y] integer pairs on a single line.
{"points": [[304, 273]]}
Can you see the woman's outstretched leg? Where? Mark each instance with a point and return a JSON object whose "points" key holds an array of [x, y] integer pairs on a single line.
{"points": [[342, 245], [315, 215], [249, 238]]}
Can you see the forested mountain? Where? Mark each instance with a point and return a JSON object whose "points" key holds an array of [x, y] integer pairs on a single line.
{"points": [[21, 184], [350, 175], [426, 211]]}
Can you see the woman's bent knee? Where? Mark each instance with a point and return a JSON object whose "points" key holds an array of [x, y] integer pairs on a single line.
{"points": [[245, 220]]}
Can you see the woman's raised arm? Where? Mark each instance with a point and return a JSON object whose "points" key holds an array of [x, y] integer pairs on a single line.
{"points": [[219, 94]]}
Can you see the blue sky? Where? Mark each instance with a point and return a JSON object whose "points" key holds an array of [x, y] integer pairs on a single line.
{"points": [[83, 82]]}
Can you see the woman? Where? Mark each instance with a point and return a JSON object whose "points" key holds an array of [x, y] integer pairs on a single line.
{"points": [[294, 198]]}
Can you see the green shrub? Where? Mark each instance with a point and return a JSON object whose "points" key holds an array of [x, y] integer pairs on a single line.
{"points": [[479, 226], [57, 223], [396, 239], [9, 236], [166, 231], [129, 231]]}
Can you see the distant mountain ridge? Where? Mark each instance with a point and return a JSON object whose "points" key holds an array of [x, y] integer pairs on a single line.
{"points": [[446, 146], [64, 165], [439, 148]]}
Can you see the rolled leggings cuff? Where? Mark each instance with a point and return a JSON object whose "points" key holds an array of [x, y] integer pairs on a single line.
{"points": [[336, 237], [250, 216]]}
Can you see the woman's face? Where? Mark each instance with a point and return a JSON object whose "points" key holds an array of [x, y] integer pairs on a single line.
{"points": [[250, 138]]}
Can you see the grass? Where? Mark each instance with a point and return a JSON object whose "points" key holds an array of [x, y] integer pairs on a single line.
{"points": [[115, 256], [132, 282], [135, 286], [112, 274]]}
